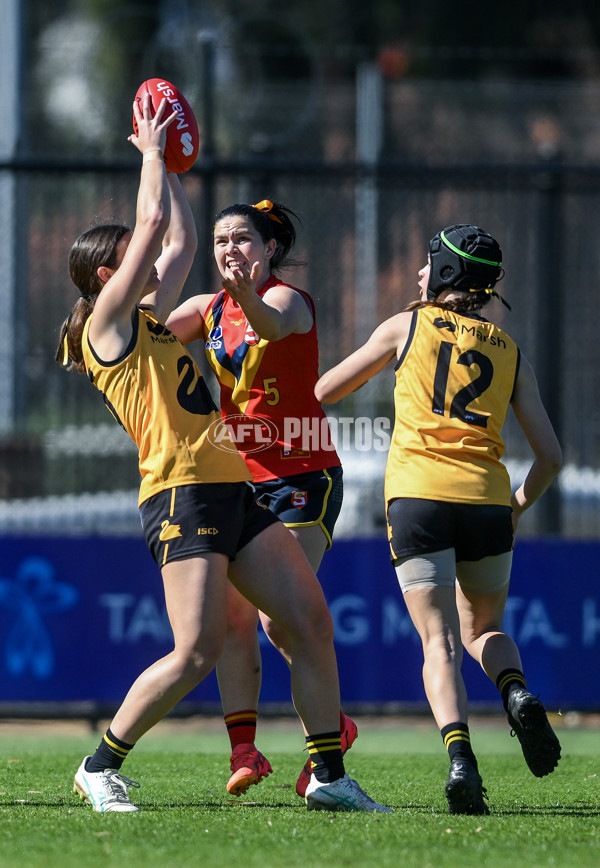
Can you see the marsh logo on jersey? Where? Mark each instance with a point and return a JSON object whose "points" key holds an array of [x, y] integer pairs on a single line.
{"points": [[160, 333], [299, 499], [215, 339], [441, 323]]}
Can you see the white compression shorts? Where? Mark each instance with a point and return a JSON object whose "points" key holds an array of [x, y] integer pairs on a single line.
{"points": [[439, 569]]}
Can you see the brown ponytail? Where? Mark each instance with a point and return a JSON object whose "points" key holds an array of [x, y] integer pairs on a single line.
{"points": [[94, 248], [466, 304]]}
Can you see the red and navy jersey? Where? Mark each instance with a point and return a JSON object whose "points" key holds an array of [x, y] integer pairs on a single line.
{"points": [[267, 392]]}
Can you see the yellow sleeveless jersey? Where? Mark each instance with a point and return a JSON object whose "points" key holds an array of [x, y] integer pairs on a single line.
{"points": [[454, 384], [157, 394]]}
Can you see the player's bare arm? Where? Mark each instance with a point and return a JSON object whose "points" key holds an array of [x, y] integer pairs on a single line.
{"points": [[187, 319], [538, 430], [386, 342], [178, 250], [132, 278]]}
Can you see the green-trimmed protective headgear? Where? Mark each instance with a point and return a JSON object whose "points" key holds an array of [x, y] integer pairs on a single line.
{"points": [[463, 257]]}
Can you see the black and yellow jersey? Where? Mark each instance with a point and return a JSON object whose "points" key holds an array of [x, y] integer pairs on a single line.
{"points": [[157, 394], [454, 384]]}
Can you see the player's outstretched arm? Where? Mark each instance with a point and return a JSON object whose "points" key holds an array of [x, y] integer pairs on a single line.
{"points": [[387, 341], [535, 423]]}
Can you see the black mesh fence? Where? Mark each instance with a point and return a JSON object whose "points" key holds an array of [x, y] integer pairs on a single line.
{"points": [[519, 162]]}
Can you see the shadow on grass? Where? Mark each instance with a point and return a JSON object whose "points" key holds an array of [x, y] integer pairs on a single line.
{"points": [[549, 811], [565, 810]]}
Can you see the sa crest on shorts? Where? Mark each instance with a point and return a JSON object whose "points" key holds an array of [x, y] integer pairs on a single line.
{"points": [[299, 499]]}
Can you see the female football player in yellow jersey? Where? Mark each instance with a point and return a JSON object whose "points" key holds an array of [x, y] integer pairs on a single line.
{"points": [[260, 337], [451, 516], [199, 515]]}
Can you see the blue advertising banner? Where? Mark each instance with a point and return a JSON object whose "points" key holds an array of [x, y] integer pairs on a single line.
{"points": [[80, 618]]}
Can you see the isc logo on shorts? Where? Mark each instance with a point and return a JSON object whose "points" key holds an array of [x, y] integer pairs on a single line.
{"points": [[299, 498], [204, 530]]}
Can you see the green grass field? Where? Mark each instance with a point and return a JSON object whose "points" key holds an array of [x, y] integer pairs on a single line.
{"points": [[188, 819]]}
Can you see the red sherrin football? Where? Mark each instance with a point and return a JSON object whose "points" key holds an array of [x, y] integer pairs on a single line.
{"points": [[183, 139]]}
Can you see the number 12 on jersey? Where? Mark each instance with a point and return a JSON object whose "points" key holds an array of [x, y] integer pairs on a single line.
{"points": [[466, 394]]}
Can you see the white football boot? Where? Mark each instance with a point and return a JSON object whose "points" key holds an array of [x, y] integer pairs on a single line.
{"points": [[341, 795], [104, 791]]}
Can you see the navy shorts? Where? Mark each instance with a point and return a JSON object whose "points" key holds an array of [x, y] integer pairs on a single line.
{"points": [[306, 499], [191, 520], [417, 526]]}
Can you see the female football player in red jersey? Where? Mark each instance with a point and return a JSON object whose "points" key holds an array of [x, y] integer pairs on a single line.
{"points": [[117, 337], [451, 517], [260, 336]]}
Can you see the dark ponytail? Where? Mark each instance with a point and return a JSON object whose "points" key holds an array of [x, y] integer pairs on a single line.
{"points": [[466, 303], [94, 248]]}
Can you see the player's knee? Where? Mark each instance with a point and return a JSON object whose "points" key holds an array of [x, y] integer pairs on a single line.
{"points": [[195, 664], [319, 625], [242, 623]]}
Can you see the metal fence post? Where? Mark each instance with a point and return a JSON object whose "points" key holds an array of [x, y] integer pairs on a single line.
{"points": [[369, 137], [13, 315], [207, 48], [550, 270]]}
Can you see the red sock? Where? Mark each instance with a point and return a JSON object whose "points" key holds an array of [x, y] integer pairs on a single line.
{"points": [[241, 726]]}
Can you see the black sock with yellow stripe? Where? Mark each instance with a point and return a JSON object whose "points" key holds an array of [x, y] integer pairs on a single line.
{"points": [[509, 680], [457, 741], [110, 754], [325, 751]]}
